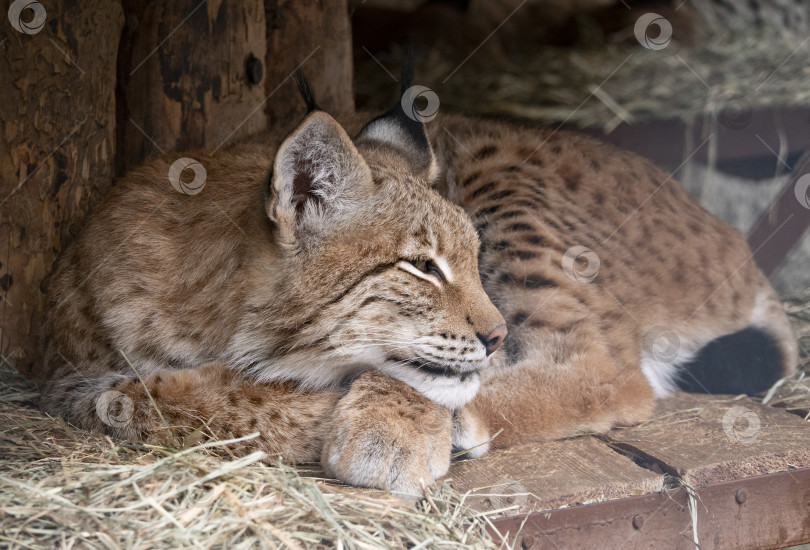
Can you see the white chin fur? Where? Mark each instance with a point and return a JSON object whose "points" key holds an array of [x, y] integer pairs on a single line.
{"points": [[447, 391]]}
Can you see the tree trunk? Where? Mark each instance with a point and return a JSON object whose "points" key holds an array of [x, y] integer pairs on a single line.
{"points": [[57, 147]]}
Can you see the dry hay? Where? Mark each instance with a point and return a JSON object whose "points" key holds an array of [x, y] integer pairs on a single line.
{"points": [[61, 487], [606, 85]]}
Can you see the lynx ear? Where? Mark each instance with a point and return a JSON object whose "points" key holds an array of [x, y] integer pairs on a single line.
{"points": [[401, 130], [404, 133], [318, 179]]}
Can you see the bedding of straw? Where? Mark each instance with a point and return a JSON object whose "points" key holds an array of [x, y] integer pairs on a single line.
{"points": [[61, 487]]}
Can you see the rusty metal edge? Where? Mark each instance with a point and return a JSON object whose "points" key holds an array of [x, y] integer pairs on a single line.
{"points": [[770, 511]]}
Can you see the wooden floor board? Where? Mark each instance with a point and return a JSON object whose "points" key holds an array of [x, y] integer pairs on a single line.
{"points": [[706, 439], [544, 476]]}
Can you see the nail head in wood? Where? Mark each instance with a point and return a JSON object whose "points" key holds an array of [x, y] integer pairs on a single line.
{"points": [[527, 542], [638, 522], [740, 496]]}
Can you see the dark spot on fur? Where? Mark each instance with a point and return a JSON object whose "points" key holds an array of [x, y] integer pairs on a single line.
{"points": [[513, 350], [572, 182], [534, 239], [486, 188], [519, 318], [256, 400], [520, 227], [253, 422], [556, 149], [485, 152], [523, 254], [471, 178], [233, 399], [538, 281], [486, 211], [502, 194], [510, 214]]}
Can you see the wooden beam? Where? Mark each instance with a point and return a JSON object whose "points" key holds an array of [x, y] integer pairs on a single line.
{"points": [[705, 439], [57, 151], [759, 133], [782, 226], [771, 511], [550, 474]]}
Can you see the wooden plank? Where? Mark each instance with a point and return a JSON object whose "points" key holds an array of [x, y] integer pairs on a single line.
{"points": [[551, 474], [770, 511], [189, 76], [707, 439], [781, 226], [757, 133]]}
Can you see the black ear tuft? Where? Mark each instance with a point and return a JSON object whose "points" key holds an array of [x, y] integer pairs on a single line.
{"points": [[402, 126], [306, 91]]}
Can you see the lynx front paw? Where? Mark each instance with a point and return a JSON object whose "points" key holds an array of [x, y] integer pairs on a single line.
{"points": [[387, 435]]}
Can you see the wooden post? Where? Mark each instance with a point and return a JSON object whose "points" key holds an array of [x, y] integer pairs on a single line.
{"points": [[315, 37], [57, 145], [190, 75]]}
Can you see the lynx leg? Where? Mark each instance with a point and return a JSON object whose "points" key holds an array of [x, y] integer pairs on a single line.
{"points": [[569, 381], [291, 423]]}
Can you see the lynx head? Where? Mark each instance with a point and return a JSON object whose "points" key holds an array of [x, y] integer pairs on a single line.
{"points": [[379, 270]]}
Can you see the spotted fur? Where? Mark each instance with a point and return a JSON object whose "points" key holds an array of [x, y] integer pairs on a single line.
{"points": [[341, 297]]}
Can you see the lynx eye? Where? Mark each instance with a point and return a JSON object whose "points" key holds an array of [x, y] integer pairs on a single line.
{"points": [[429, 267]]}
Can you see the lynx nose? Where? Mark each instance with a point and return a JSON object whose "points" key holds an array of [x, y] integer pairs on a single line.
{"points": [[494, 339]]}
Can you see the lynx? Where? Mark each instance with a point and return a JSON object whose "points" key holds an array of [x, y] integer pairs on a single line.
{"points": [[375, 302]]}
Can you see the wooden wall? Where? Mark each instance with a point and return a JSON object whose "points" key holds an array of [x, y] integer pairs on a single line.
{"points": [[102, 85]]}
